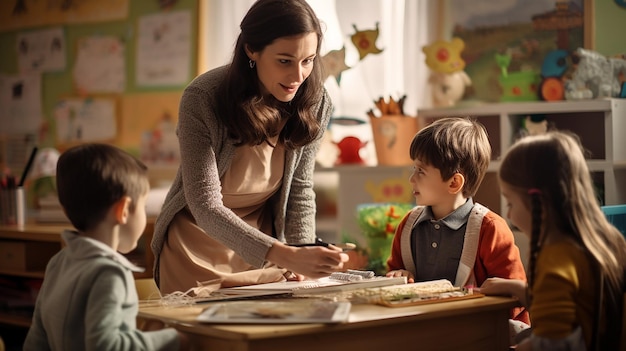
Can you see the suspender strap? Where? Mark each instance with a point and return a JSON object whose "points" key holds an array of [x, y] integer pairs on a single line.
{"points": [[465, 272], [407, 256]]}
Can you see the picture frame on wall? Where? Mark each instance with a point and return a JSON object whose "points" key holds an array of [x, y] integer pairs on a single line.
{"points": [[523, 32]]}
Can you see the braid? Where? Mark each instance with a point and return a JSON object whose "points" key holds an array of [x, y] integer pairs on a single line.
{"points": [[535, 197]]}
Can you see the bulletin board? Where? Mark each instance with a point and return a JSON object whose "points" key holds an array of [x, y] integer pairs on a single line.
{"points": [[122, 65]]}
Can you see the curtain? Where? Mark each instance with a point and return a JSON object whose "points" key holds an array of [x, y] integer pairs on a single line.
{"points": [[219, 23], [398, 70]]}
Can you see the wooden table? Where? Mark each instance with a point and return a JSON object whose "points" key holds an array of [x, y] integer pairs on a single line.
{"points": [[474, 324]]}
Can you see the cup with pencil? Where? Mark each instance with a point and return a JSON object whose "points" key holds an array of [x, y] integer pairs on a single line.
{"points": [[392, 131], [12, 197]]}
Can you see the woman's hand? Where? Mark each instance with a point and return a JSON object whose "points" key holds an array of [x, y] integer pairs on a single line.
{"points": [[309, 261], [401, 273], [505, 287]]}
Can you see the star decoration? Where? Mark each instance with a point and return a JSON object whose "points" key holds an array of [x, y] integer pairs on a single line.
{"points": [[365, 41], [334, 62]]}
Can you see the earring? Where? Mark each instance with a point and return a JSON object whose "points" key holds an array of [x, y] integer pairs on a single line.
{"points": [[251, 63]]}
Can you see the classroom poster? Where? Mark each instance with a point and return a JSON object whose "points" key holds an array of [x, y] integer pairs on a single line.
{"points": [[20, 103], [164, 49], [41, 50], [85, 120], [100, 65]]}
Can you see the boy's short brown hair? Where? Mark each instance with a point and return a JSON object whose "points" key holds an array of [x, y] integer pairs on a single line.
{"points": [[454, 145], [92, 177]]}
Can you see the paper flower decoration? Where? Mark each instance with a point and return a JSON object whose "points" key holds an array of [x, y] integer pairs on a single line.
{"points": [[445, 56], [365, 41]]}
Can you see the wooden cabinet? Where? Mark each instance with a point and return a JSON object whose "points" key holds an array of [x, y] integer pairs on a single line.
{"points": [[599, 123], [24, 253]]}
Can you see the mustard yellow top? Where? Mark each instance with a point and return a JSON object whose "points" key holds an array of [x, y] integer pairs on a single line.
{"points": [[563, 295]]}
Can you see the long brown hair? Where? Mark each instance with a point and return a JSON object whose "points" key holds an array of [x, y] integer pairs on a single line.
{"points": [[550, 170], [252, 118]]}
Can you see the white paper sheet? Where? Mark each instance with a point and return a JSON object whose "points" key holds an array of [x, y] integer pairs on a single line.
{"points": [[164, 49], [100, 65], [85, 120], [41, 50], [20, 103]]}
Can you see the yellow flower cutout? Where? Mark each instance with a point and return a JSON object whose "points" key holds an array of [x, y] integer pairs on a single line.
{"points": [[365, 41], [445, 56]]}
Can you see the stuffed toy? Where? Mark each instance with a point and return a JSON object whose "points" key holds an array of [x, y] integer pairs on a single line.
{"points": [[350, 151], [448, 80], [595, 76], [553, 69], [449, 88]]}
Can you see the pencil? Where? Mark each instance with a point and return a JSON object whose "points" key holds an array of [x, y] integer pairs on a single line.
{"points": [[319, 242], [29, 165]]}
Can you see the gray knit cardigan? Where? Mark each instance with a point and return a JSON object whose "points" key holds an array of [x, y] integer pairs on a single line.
{"points": [[206, 154]]}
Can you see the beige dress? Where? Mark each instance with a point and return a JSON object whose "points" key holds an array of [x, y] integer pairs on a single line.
{"points": [[190, 256]]}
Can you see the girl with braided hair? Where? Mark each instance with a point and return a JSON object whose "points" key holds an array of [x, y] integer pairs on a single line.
{"points": [[575, 288]]}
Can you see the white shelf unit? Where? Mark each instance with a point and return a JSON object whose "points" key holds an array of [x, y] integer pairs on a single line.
{"points": [[600, 124]]}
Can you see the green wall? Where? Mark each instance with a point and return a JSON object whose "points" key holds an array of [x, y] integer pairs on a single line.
{"points": [[610, 23]]}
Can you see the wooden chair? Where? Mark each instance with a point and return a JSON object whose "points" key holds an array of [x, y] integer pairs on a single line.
{"points": [[147, 290]]}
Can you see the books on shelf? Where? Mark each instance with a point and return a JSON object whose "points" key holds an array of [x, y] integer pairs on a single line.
{"points": [[49, 210]]}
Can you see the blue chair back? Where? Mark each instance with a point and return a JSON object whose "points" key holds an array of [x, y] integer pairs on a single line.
{"points": [[616, 214]]}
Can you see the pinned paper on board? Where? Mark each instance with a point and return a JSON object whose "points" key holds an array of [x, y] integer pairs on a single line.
{"points": [[164, 49], [20, 103], [100, 65], [41, 50], [85, 120]]}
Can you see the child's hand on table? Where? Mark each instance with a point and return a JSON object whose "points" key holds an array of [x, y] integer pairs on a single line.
{"points": [[402, 273], [506, 287]]}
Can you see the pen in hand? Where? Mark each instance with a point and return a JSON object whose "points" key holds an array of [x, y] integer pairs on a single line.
{"points": [[320, 242]]}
